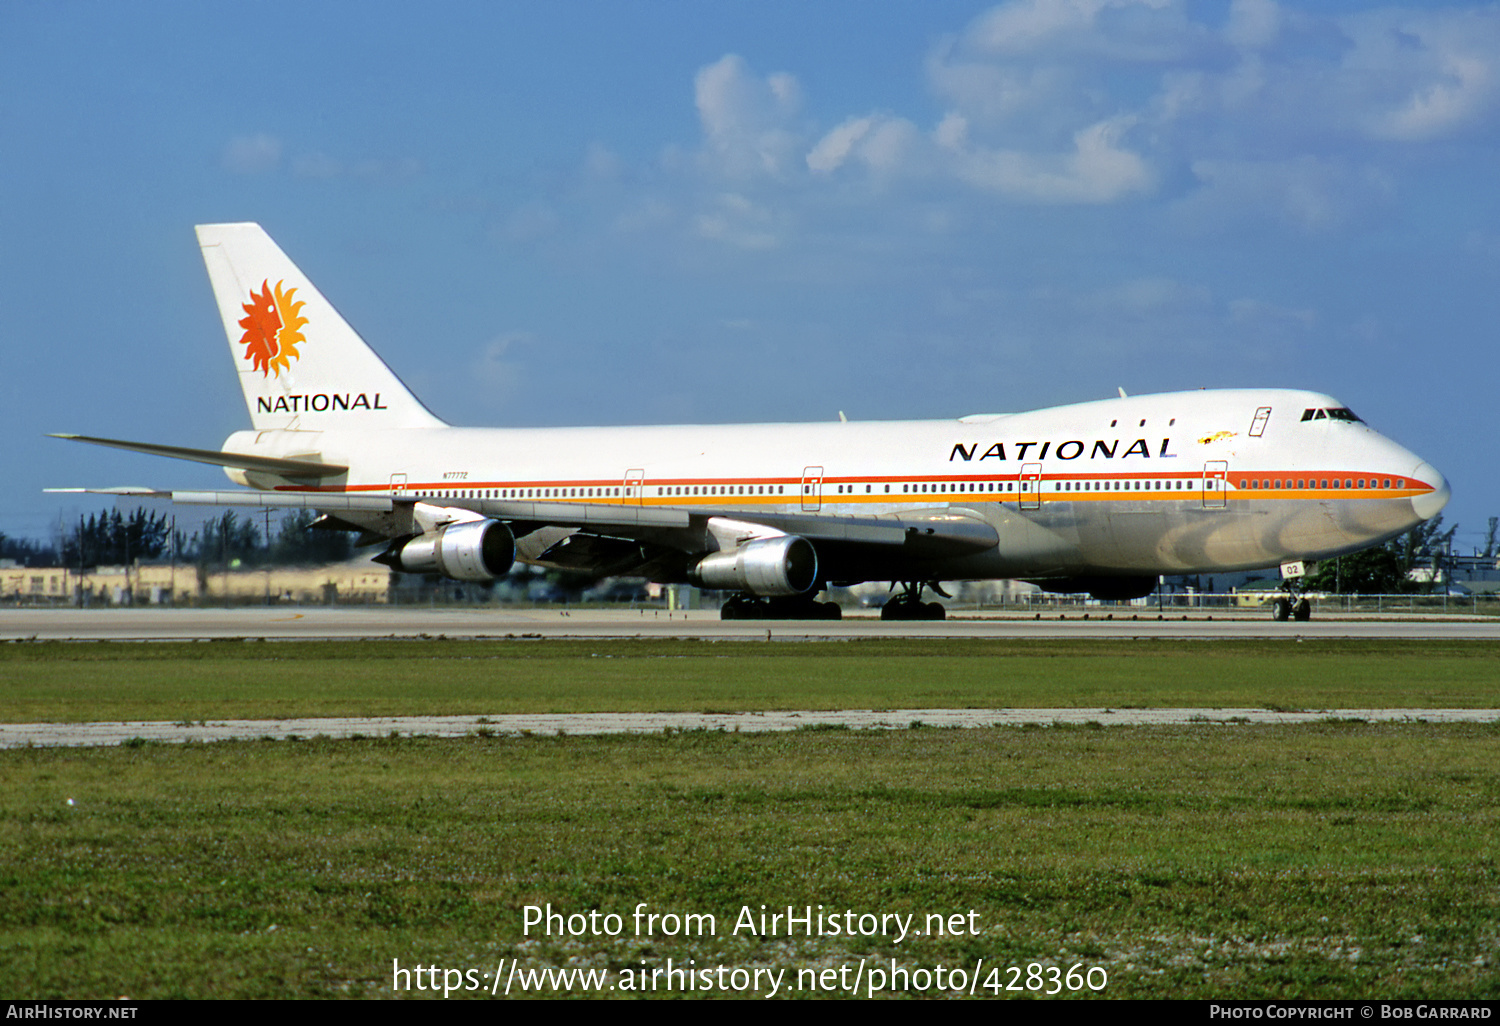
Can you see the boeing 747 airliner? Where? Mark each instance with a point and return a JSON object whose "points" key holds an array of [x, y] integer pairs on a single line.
{"points": [[1102, 497]]}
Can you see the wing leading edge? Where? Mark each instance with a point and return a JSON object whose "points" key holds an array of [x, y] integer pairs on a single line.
{"points": [[606, 539]]}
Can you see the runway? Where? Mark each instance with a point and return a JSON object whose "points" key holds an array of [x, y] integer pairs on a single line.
{"points": [[86, 735], [290, 623], [344, 622]]}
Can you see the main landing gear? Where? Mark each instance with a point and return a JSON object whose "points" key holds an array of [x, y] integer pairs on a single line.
{"points": [[1291, 606], [909, 605], [749, 607]]}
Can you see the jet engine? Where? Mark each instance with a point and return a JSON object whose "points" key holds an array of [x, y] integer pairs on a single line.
{"points": [[472, 550], [783, 565]]}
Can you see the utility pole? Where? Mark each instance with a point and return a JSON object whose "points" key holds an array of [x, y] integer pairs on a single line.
{"points": [[267, 512], [80, 561]]}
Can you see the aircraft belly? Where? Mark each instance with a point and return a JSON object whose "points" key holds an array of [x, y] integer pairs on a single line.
{"points": [[1145, 537], [1333, 527], [1031, 544], [1186, 538], [1183, 538]]}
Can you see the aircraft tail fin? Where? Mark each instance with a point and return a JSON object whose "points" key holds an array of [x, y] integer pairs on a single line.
{"points": [[301, 366]]}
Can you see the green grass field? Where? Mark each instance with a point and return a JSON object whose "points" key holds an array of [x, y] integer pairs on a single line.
{"points": [[1332, 860], [74, 682]]}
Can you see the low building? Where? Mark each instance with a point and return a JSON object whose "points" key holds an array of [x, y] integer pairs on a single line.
{"points": [[358, 581]]}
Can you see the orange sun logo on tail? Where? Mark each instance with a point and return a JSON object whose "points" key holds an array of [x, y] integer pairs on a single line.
{"points": [[273, 328]]}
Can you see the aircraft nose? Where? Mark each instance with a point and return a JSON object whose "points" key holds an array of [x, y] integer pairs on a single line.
{"points": [[1430, 504]]}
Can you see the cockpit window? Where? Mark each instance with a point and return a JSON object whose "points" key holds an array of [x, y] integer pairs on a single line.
{"points": [[1342, 413]]}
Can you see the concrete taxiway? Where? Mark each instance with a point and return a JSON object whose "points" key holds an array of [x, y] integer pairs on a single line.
{"points": [[327, 622], [312, 623], [56, 735]]}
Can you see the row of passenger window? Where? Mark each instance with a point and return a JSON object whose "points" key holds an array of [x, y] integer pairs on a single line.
{"points": [[1348, 482], [530, 493], [609, 493], [721, 490], [910, 488], [1031, 484], [940, 487], [919, 487]]}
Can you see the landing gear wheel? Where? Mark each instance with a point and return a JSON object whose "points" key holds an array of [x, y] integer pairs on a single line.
{"points": [[909, 606], [1302, 611], [748, 607], [1281, 610]]}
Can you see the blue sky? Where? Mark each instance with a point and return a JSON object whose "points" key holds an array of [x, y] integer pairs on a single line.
{"points": [[664, 212]]}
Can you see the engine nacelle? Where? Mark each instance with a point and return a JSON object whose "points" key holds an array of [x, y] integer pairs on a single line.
{"points": [[784, 565], [474, 550]]}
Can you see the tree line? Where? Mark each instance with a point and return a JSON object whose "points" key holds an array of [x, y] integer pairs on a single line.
{"points": [[228, 541], [231, 540], [1387, 569]]}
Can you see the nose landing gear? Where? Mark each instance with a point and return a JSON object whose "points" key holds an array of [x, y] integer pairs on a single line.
{"points": [[1291, 606]]}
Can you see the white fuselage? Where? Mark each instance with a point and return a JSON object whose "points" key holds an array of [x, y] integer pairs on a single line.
{"points": [[1185, 482]]}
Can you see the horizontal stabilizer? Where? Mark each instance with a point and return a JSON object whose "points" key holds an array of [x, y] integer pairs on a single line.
{"points": [[135, 491], [241, 461]]}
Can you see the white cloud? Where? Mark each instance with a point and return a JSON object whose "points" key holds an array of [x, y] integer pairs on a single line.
{"points": [[1259, 117], [1411, 76], [993, 92], [1152, 297], [1394, 75], [1465, 88], [1097, 170], [388, 169], [737, 220], [1309, 194], [747, 121], [834, 148], [1126, 29], [1253, 23], [1262, 316], [647, 214], [497, 368], [531, 223], [252, 154], [317, 165], [602, 164], [263, 154], [882, 144]]}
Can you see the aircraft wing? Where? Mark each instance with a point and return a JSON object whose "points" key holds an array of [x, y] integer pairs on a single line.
{"points": [[934, 532], [606, 539]]}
